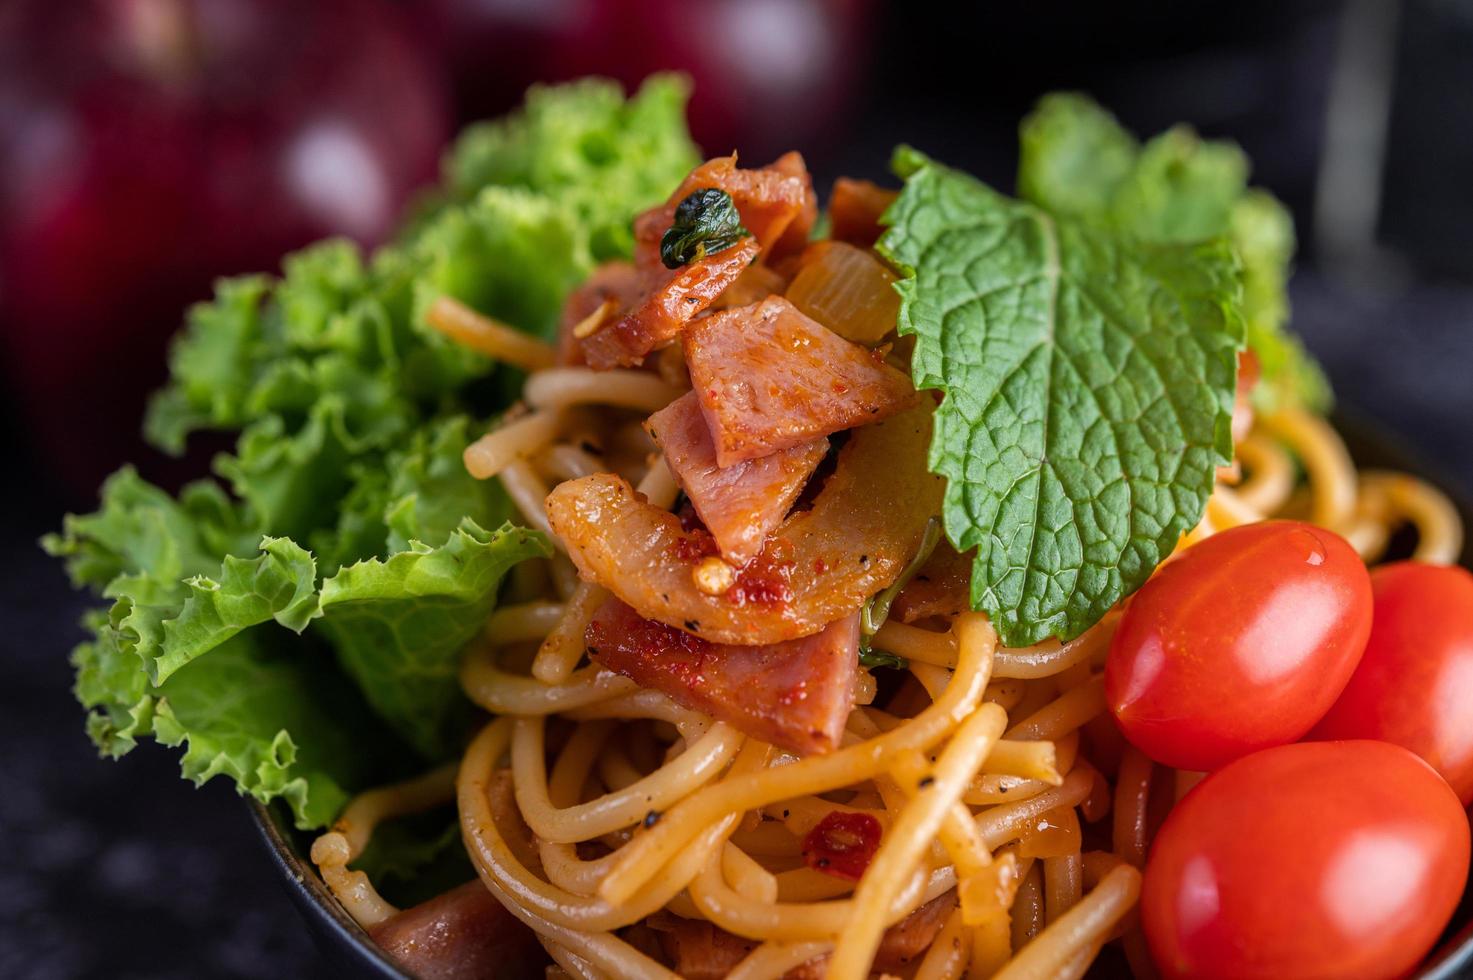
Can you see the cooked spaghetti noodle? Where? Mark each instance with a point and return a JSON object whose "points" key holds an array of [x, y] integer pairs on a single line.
{"points": [[1009, 833], [718, 838]]}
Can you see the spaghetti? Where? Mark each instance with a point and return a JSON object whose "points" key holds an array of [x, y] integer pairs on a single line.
{"points": [[1010, 831]]}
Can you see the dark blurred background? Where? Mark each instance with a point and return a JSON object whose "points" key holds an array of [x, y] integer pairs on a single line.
{"points": [[147, 146]]}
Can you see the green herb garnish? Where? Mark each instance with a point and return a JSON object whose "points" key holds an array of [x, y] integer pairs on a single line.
{"points": [[1078, 160], [879, 658], [706, 221], [1088, 380], [874, 613]]}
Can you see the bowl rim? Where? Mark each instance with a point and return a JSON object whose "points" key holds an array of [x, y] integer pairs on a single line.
{"points": [[330, 923], [351, 944]]}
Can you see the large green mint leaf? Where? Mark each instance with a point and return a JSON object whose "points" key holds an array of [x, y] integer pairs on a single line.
{"points": [[1078, 160], [1088, 384], [399, 624]]}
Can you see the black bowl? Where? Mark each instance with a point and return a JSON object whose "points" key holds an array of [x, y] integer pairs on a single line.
{"points": [[349, 949]]}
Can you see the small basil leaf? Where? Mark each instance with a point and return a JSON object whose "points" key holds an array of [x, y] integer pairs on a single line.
{"points": [[706, 221], [879, 658]]}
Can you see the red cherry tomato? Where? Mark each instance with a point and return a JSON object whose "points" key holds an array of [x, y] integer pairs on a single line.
{"points": [[1241, 642], [1323, 859], [1414, 686]]}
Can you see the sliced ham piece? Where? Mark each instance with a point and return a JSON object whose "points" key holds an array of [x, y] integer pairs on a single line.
{"points": [[770, 200], [756, 283], [660, 316], [618, 281], [697, 950], [795, 695], [701, 951], [769, 377], [741, 504], [855, 207], [795, 237], [902, 945], [464, 934], [818, 566], [942, 586]]}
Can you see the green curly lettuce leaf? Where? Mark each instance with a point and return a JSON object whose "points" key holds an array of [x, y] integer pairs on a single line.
{"points": [[1088, 380], [583, 143], [1078, 160], [168, 644], [276, 718], [181, 657], [140, 527], [399, 624], [299, 632]]}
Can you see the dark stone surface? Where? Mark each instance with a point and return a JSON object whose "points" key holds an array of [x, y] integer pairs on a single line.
{"points": [[113, 869]]}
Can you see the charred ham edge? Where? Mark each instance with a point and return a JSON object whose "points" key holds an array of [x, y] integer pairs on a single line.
{"points": [[769, 377], [773, 201], [701, 951], [464, 934], [741, 504], [795, 695], [777, 205], [660, 316], [820, 565]]}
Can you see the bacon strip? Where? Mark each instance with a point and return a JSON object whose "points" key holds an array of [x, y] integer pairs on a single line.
{"points": [[464, 934], [795, 695], [769, 377], [664, 312], [741, 504], [820, 565]]}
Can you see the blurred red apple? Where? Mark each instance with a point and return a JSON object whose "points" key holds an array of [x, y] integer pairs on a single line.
{"points": [[148, 146]]}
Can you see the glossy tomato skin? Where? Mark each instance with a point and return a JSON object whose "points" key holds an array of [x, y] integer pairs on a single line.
{"points": [[1414, 686], [1241, 642], [1336, 860]]}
